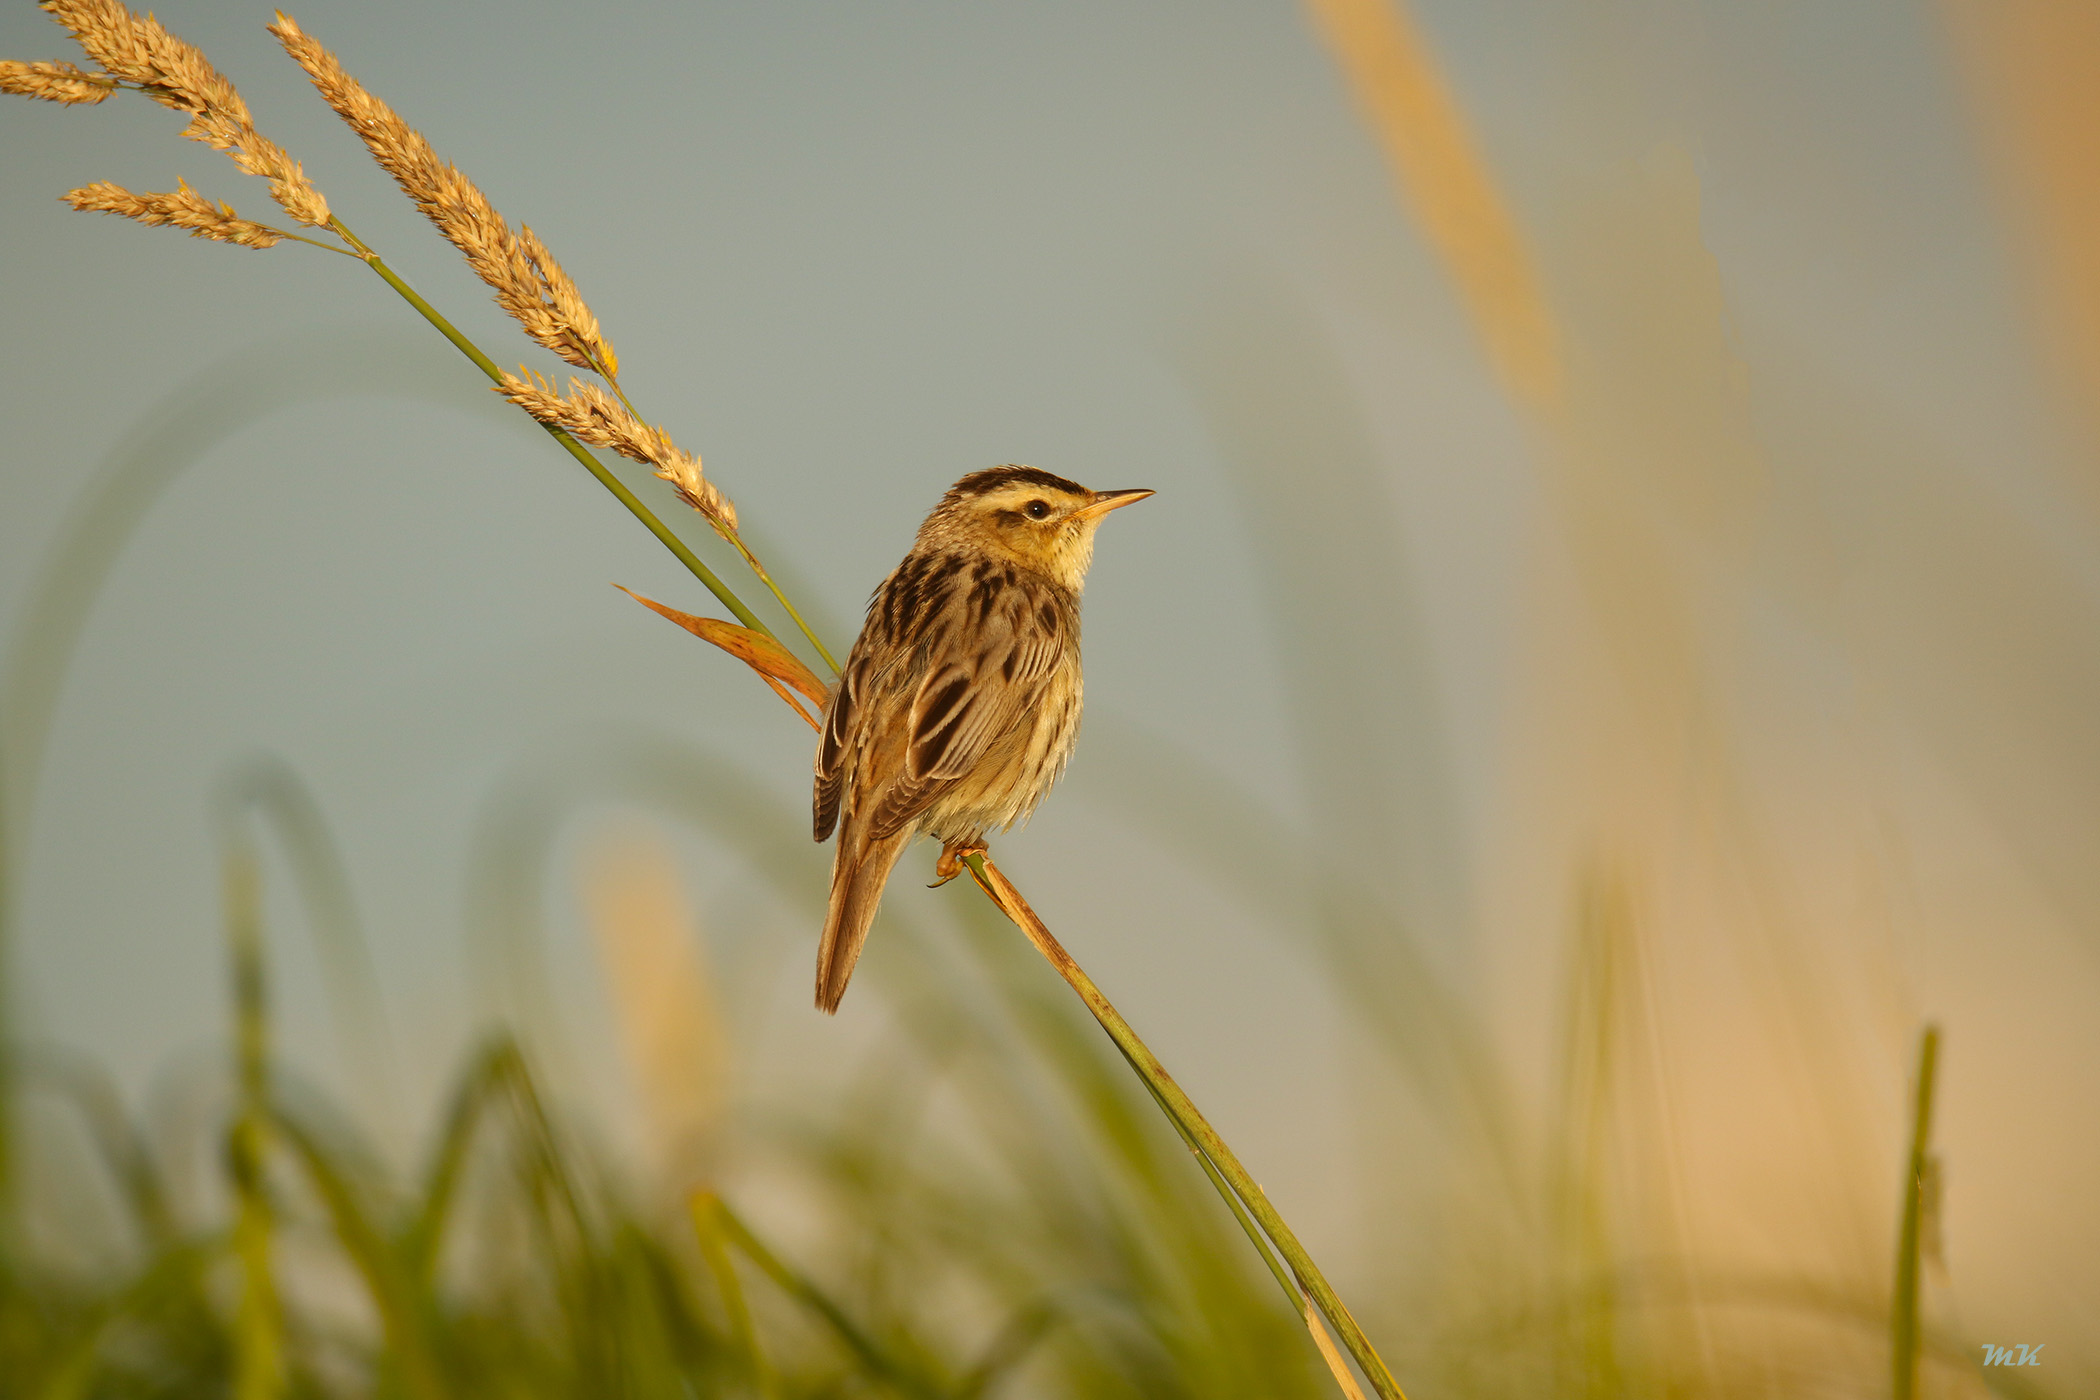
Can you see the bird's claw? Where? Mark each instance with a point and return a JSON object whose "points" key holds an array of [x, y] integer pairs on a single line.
{"points": [[953, 855]]}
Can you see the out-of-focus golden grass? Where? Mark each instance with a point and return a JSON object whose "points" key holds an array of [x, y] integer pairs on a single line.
{"points": [[670, 1026], [2034, 69], [1696, 1184], [1437, 163]]}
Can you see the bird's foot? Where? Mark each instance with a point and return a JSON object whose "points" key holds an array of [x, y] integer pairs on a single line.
{"points": [[953, 854]]}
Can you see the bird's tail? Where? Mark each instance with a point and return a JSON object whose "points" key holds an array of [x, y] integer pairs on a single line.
{"points": [[859, 869]]}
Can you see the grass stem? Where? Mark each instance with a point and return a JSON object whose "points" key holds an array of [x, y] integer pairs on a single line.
{"points": [[712, 1231], [258, 1330], [1903, 1319], [1191, 1122], [871, 1354], [1300, 1304], [626, 497]]}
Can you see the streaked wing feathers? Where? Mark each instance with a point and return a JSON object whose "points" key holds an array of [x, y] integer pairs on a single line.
{"points": [[978, 690], [831, 751], [986, 649]]}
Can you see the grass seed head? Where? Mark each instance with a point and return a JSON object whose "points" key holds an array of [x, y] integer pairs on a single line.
{"points": [[589, 414], [529, 284], [137, 49], [54, 82], [183, 209]]}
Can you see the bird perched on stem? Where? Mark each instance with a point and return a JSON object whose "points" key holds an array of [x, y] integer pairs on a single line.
{"points": [[959, 704]]}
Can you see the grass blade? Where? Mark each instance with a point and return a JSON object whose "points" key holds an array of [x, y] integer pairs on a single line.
{"points": [[1903, 1319], [1190, 1120]]}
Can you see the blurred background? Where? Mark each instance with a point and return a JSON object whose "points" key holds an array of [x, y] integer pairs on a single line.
{"points": [[1615, 653]]}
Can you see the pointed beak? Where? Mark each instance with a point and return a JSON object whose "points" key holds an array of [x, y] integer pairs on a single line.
{"points": [[1106, 501]]}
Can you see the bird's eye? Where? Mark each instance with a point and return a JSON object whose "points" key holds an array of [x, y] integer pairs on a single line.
{"points": [[1037, 510]]}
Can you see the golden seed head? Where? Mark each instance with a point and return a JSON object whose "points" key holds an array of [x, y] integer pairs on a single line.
{"points": [[589, 414], [137, 49], [529, 284], [183, 209], [54, 82]]}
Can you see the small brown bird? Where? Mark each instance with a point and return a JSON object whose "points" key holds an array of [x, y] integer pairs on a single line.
{"points": [[959, 704]]}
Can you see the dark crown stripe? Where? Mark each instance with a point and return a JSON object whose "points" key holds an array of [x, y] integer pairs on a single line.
{"points": [[985, 482]]}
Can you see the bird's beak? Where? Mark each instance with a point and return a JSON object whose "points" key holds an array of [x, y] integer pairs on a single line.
{"points": [[1106, 501]]}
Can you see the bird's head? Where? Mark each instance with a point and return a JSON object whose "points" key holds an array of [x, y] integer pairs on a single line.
{"points": [[1042, 522]]}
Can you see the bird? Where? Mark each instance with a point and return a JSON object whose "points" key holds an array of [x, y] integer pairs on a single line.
{"points": [[958, 706]]}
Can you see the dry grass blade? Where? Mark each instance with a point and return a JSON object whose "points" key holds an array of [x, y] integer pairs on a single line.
{"points": [[1438, 166], [54, 82], [183, 209], [529, 285], [1337, 1367], [591, 415], [136, 49], [775, 664]]}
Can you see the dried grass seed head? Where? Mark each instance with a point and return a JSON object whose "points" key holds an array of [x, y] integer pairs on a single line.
{"points": [[54, 82], [590, 415], [530, 285], [183, 209], [138, 49]]}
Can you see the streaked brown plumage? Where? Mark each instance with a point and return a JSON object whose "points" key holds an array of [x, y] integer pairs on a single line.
{"points": [[959, 704]]}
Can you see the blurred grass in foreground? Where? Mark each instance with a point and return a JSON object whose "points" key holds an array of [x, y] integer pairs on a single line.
{"points": [[993, 1210], [521, 1261]]}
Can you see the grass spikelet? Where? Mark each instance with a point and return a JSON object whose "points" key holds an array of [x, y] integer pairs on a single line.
{"points": [[591, 415], [54, 82], [529, 284], [137, 49], [183, 209]]}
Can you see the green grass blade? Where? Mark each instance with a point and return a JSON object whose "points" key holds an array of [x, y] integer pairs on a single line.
{"points": [[392, 1288], [879, 1362], [259, 1326], [1186, 1116], [1903, 1319], [707, 1211]]}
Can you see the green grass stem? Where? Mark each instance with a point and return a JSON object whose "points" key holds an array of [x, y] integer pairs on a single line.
{"points": [[1299, 1304], [259, 1372], [870, 1353], [1903, 1318], [387, 1277], [710, 1228], [765, 578], [1188, 1119], [626, 497]]}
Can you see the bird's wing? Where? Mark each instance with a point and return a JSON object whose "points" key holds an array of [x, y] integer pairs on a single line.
{"points": [[831, 748], [979, 692], [981, 681], [865, 704]]}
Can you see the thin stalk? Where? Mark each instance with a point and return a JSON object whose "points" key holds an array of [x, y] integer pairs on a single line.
{"points": [[1183, 1111], [315, 243], [596, 468], [731, 534], [1300, 1304], [394, 1290], [258, 1329], [814, 1298], [708, 1210], [1903, 1321], [765, 578]]}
